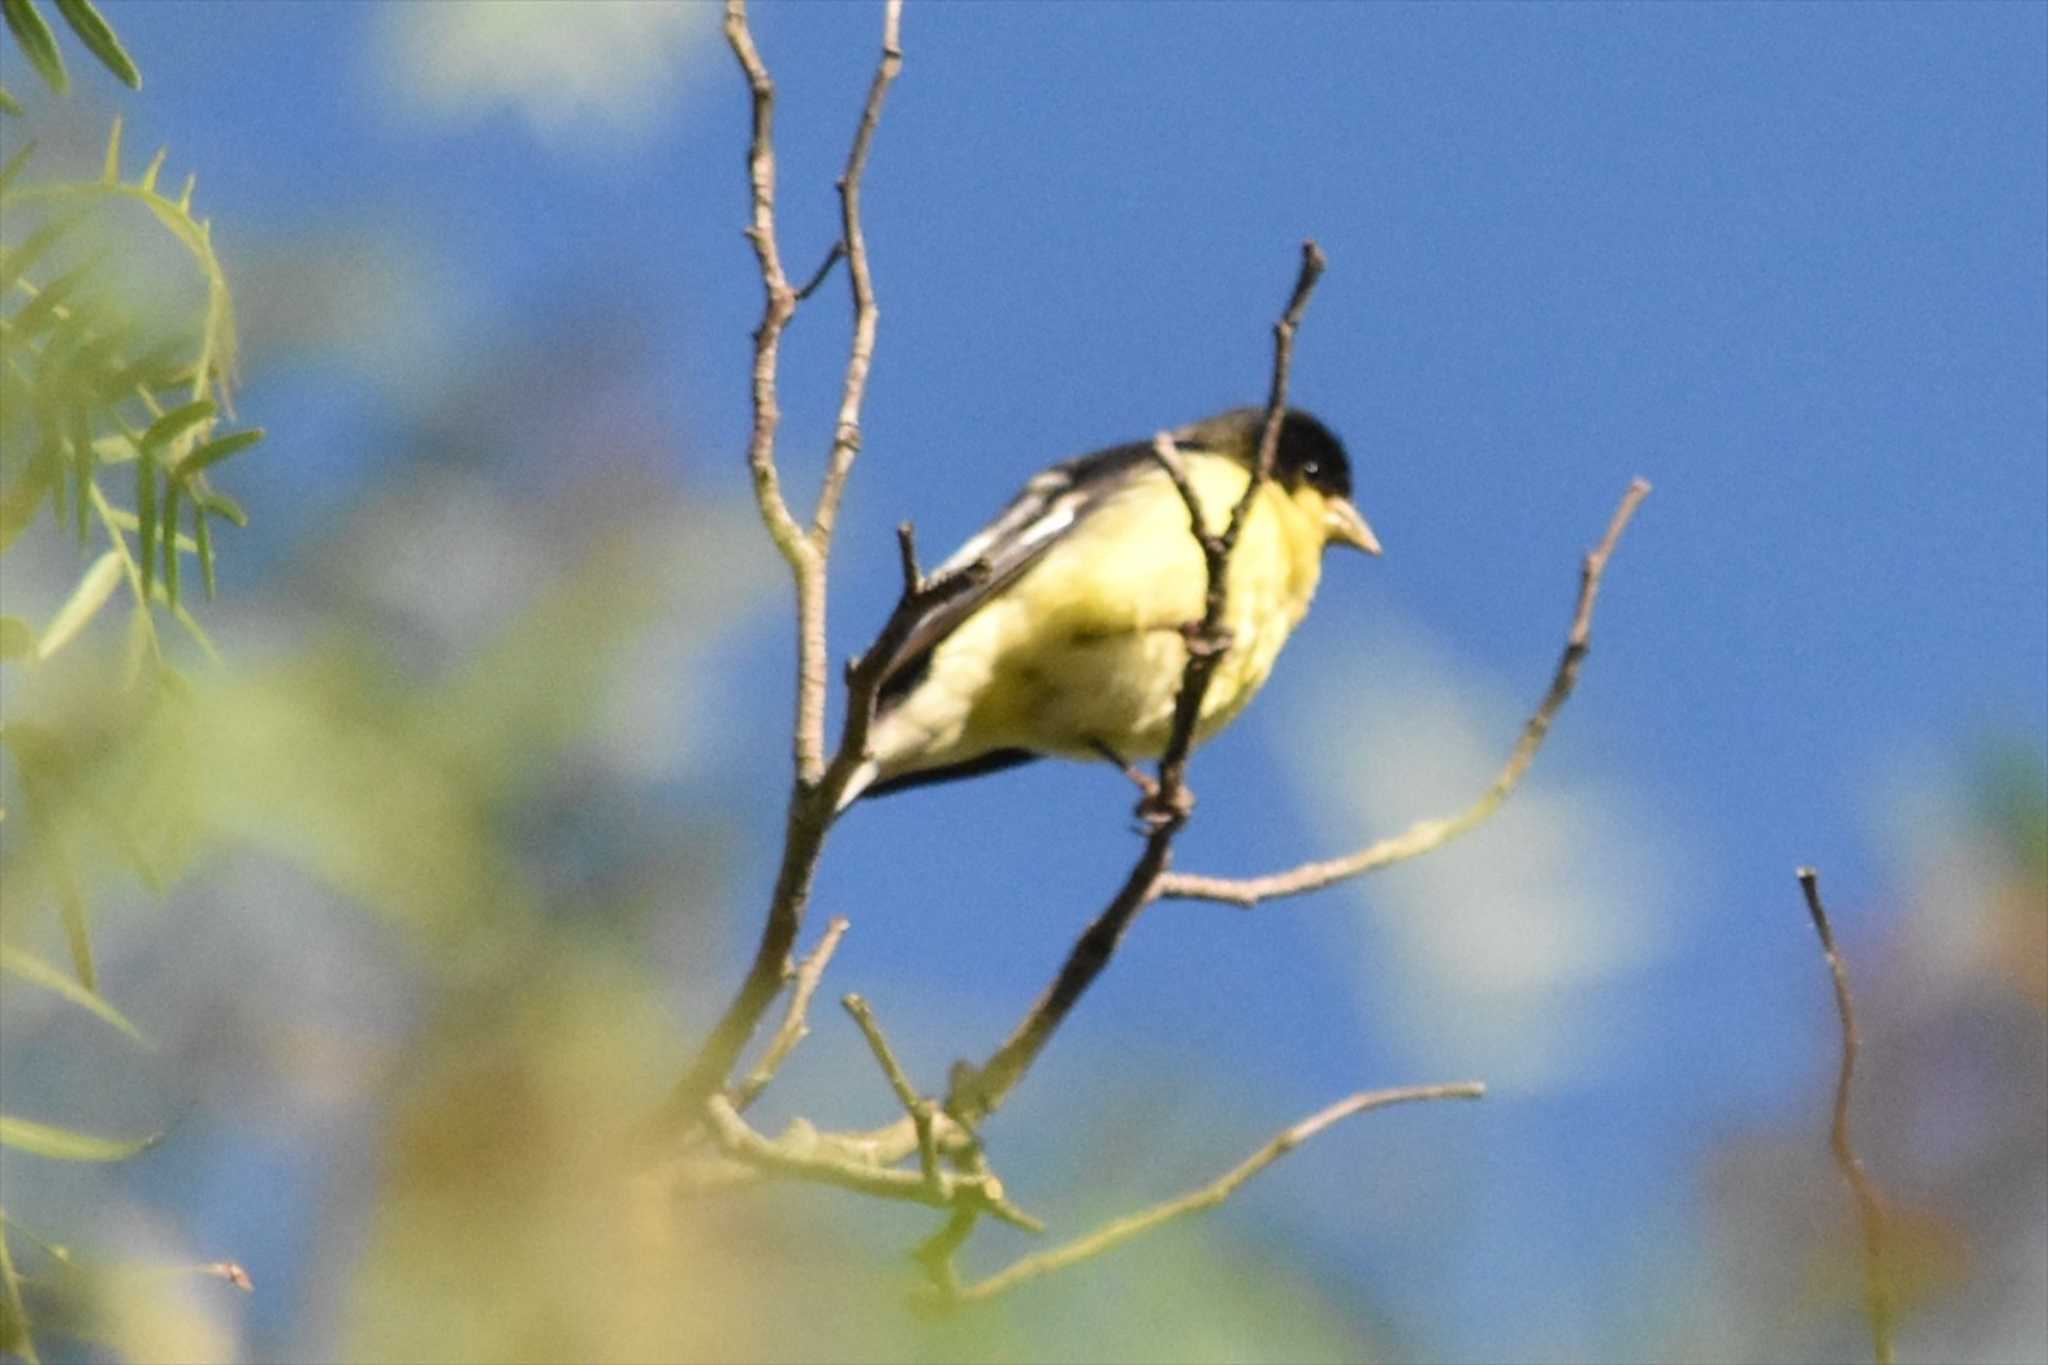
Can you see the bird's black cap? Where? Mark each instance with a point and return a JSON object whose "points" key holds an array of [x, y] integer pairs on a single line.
{"points": [[1308, 452]]}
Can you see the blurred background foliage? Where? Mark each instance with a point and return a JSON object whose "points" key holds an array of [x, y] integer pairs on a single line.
{"points": [[384, 908]]}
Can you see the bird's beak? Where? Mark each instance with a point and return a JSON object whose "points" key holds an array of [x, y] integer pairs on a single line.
{"points": [[1342, 525]]}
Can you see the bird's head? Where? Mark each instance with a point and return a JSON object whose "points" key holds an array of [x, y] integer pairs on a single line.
{"points": [[1309, 463]]}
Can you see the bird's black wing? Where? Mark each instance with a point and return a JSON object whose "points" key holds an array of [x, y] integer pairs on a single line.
{"points": [[1050, 506], [992, 762]]}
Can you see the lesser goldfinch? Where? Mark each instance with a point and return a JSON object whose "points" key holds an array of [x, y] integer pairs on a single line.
{"points": [[1073, 641]]}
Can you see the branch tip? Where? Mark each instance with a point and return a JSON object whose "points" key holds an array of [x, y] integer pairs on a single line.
{"points": [[1427, 835], [1877, 1297]]}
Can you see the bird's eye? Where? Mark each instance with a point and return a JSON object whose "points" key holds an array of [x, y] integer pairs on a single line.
{"points": [[1311, 469]]}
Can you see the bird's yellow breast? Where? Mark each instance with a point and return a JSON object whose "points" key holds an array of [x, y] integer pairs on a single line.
{"points": [[1087, 648]]}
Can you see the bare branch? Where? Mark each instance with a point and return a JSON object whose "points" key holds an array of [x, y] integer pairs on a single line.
{"points": [[1208, 641], [1426, 835], [799, 1155], [1208, 1196], [779, 304], [924, 1120], [795, 1021], [811, 806], [975, 1094], [978, 1093], [860, 356], [885, 1056], [1877, 1289], [920, 1110], [1313, 263], [805, 1154]]}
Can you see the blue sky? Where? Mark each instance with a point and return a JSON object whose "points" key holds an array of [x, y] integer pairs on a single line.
{"points": [[1788, 262]]}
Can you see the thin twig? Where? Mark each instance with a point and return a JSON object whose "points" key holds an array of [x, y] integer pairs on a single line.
{"points": [[1426, 835], [920, 1110], [1313, 263], [779, 303], [860, 355], [1207, 1196], [795, 1020], [1211, 638], [1877, 1290], [885, 1057], [975, 1094], [832, 258]]}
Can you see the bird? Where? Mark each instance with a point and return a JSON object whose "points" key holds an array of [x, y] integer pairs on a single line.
{"points": [[1071, 635]]}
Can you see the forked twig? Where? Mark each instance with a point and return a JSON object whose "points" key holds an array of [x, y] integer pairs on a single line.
{"points": [[1207, 1196], [806, 551], [796, 1019], [1426, 835]]}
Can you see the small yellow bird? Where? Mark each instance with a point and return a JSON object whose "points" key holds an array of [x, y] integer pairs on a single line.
{"points": [[1073, 643]]}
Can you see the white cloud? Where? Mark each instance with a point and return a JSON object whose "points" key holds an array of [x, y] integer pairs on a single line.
{"points": [[1488, 956], [576, 70]]}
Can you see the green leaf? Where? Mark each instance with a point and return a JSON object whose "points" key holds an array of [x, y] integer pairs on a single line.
{"points": [[127, 522], [18, 504], [19, 159], [99, 37], [81, 473], [62, 1144], [87, 598], [8, 104], [32, 969], [214, 451], [199, 636], [202, 536], [15, 263], [72, 908], [14, 1333], [38, 44], [167, 532], [221, 505], [145, 513], [17, 638], [41, 310], [158, 358], [176, 423]]}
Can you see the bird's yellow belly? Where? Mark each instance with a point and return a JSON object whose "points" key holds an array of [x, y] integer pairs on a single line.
{"points": [[1090, 690], [1088, 651]]}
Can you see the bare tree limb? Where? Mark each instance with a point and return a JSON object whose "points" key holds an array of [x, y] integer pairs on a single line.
{"points": [[920, 1110], [861, 353], [1207, 1196], [812, 800], [977, 1093], [779, 303], [1877, 1289], [1426, 835], [802, 1155], [795, 1020]]}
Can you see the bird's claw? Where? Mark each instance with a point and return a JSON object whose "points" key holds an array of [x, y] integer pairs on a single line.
{"points": [[1156, 810], [1202, 643]]}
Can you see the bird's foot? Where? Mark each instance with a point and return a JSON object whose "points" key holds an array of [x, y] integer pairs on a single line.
{"points": [[1153, 810], [1156, 810], [1139, 777], [1202, 643]]}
